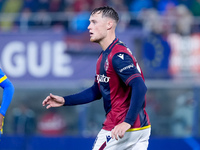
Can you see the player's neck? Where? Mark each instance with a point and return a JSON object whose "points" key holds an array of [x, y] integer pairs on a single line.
{"points": [[107, 41]]}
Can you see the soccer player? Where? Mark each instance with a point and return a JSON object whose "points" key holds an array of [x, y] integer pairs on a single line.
{"points": [[119, 80], [8, 91]]}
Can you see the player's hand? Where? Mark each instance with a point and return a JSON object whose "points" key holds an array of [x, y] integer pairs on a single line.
{"points": [[1, 121], [119, 130], [53, 101]]}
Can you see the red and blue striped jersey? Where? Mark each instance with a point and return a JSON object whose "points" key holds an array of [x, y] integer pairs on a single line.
{"points": [[116, 68]]}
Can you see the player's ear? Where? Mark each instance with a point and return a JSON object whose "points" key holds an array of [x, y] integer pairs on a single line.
{"points": [[109, 24]]}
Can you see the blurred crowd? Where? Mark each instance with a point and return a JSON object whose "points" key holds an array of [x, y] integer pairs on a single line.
{"points": [[176, 15]]}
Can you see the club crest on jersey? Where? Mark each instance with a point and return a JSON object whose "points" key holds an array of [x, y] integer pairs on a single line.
{"points": [[102, 78], [106, 65]]}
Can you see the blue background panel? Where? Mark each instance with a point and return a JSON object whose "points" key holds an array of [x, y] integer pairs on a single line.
{"points": [[75, 143]]}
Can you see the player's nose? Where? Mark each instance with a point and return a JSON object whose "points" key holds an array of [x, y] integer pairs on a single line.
{"points": [[89, 26]]}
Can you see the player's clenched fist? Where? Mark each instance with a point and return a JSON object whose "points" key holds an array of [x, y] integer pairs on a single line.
{"points": [[53, 101]]}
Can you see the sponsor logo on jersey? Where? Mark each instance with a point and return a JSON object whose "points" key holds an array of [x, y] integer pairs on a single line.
{"points": [[102, 78], [121, 56], [127, 67]]}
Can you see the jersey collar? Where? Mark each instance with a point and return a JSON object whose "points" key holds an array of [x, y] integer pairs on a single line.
{"points": [[112, 44]]}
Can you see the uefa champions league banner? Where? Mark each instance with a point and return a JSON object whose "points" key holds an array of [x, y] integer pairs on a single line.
{"points": [[36, 56]]}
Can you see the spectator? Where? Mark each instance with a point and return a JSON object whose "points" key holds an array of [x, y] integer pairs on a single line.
{"points": [[183, 115], [55, 5], [125, 16], [43, 5], [42, 19], [10, 6], [80, 20], [164, 5], [119, 5], [69, 15], [97, 3], [1, 4], [137, 5], [81, 5], [169, 16], [31, 4], [184, 20], [25, 21], [24, 121]]}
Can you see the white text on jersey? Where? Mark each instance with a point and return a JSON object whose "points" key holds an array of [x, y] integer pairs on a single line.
{"points": [[102, 78], [127, 67]]}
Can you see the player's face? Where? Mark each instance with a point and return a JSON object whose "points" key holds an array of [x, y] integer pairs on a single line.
{"points": [[97, 27]]}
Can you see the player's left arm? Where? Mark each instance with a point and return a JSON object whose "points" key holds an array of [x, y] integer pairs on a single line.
{"points": [[8, 91], [128, 72]]}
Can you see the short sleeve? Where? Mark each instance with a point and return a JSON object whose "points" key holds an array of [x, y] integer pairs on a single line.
{"points": [[124, 66]]}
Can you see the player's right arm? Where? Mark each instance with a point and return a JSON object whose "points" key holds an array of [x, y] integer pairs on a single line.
{"points": [[8, 91], [83, 97]]}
